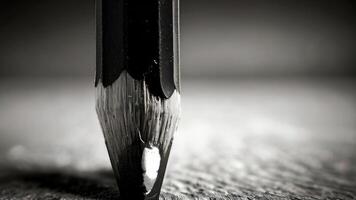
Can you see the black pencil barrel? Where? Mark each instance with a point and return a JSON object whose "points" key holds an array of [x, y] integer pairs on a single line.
{"points": [[141, 37]]}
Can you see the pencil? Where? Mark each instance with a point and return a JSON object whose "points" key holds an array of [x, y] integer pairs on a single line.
{"points": [[138, 90]]}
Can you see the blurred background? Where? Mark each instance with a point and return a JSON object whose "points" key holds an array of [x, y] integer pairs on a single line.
{"points": [[260, 78]]}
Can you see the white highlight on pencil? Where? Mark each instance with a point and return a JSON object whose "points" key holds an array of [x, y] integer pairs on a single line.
{"points": [[150, 165]]}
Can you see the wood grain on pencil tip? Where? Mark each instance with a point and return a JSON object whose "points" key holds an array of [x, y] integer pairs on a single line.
{"points": [[135, 123]]}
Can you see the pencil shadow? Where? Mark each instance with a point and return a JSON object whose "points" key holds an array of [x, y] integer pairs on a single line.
{"points": [[58, 185]]}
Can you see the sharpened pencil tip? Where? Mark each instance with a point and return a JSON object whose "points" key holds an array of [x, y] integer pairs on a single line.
{"points": [[138, 128]]}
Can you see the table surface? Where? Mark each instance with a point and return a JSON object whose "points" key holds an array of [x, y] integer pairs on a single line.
{"points": [[238, 139]]}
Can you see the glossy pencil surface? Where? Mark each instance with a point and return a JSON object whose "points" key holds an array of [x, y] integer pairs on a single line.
{"points": [[141, 37]]}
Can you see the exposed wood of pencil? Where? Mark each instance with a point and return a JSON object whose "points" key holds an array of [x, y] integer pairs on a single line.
{"points": [[133, 122]]}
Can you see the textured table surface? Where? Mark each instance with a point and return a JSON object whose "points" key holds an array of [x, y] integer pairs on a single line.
{"points": [[246, 139]]}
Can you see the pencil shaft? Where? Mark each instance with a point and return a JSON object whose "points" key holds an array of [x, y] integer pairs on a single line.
{"points": [[138, 91], [141, 37]]}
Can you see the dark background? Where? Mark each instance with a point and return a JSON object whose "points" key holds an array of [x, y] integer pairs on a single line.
{"points": [[218, 38]]}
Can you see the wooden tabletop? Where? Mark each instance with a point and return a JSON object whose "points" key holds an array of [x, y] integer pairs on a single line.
{"points": [[238, 139]]}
